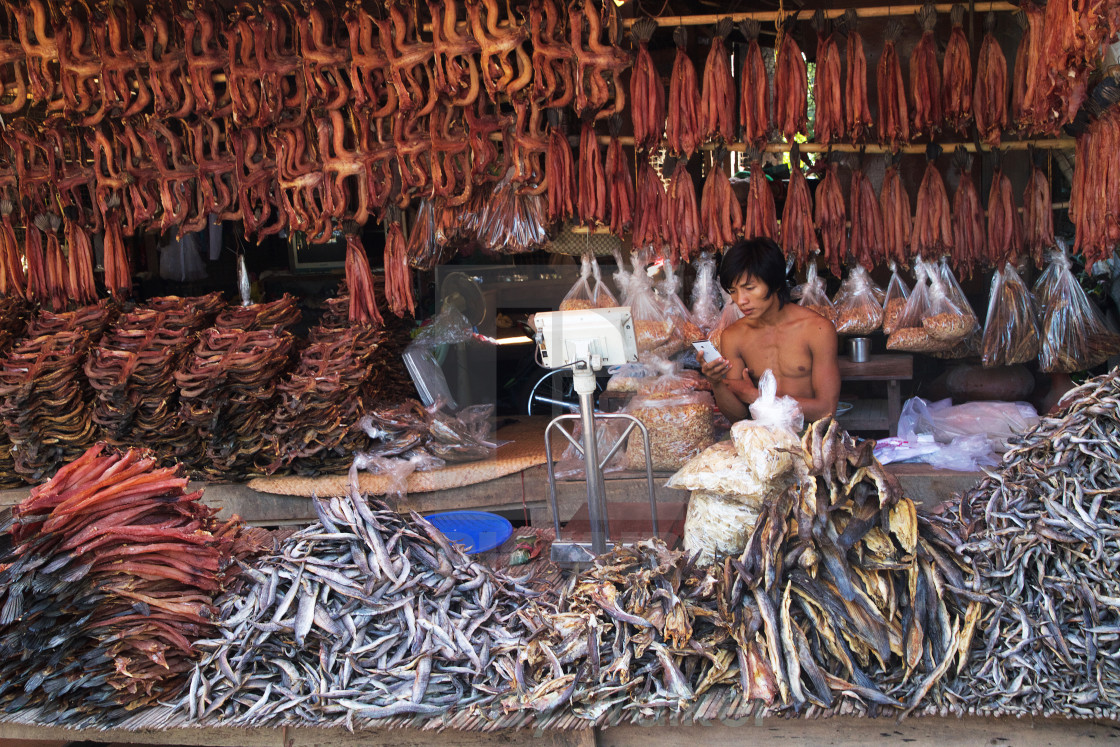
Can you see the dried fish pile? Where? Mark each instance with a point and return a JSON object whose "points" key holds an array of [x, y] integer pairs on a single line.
{"points": [[389, 381], [844, 598], [1042, 531], [109, 573], [314, 424], [13, 321], [45, 401], [227, 389], [131, 369], [363, 615]]}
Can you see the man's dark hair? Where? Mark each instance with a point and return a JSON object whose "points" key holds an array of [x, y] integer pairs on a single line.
{"points": [[759, 258]]}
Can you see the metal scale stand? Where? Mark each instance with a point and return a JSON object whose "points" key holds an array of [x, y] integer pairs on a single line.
{"points": [[570, 552]]}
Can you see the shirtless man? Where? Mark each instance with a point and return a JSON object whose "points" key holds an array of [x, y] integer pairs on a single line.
{"points": [[797, 344]]}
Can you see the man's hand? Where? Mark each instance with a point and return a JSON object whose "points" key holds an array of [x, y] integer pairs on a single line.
{"points": [[714, 371], [744, 389]]}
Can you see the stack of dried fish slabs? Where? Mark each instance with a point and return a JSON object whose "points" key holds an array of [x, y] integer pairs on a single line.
{"points": [[1043, 530], [389, 381], [227, 389], [131, 369], [13, 321], [845, 600], [109, 575], [315, 426], [45, 400], [363, 615]]}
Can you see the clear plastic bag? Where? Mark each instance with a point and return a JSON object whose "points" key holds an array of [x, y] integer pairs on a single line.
{"points": [[858, 304], [956, 296], [946, 422], [1011, 328], [607, 433], [811, 294], [930, 321], [727, 317], [768, 442], [580, 296], [652, 327], [895, 300], [706, 294], [601, 293], [628, 377], [718, 525], [680, 421], [513, 222], [684, 328], [421, 249], [1074, 334]]}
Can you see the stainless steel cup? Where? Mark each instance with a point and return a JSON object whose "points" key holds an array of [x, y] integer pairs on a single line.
{"points": [[859, 349]]}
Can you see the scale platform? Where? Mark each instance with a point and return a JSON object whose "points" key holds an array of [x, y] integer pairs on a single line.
{"points": [[630, 523]]}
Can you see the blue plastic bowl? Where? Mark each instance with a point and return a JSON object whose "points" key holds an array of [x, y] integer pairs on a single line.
{"points": [[476, 531]]}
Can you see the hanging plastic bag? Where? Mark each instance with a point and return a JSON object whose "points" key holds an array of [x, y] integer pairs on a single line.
{"points": [[680, 421], [580, 296], [684, 329], [728, 316], [811, 294], [956, 297], [858, 304], [1074, 334], [930, 322], [1011, 328], [909, 334], [652, 326], [706, 294], [601, 293], [514, 222], [895, 300]]}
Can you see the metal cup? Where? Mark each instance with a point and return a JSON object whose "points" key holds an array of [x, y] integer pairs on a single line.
{"points": [[859, 349]]}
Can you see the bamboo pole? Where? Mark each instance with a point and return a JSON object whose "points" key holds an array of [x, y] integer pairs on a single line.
{"points": [[1061, 143], [895, 11]]}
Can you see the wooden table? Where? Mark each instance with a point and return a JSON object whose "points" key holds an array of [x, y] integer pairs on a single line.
{"points": [[877, 414]]}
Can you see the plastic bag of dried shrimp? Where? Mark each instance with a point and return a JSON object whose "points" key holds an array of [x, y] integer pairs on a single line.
{"points": [[858, 304], [1074, 334], [706, 294], [909, 334], [1011, 328], [680, 420], [718, 524], [955, 293], [652, 326], [684, 329], [811, 294], [895, 300], [580, 296]]}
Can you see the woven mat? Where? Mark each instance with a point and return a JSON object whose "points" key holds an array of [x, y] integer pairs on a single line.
{"points": [[525, 450]]}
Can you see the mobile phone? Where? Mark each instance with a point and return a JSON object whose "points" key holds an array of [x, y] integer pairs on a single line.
{"points": [[708, 349]]}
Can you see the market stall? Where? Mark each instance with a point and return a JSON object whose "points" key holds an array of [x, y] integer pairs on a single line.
{"points": [[219, 464]]}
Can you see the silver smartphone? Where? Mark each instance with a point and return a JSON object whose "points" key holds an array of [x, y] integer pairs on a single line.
{"points": [[708, 349]]}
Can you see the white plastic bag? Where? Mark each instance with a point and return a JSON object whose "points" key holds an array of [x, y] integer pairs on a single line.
{"points": [[997, 421], [717, 525]]}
